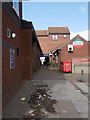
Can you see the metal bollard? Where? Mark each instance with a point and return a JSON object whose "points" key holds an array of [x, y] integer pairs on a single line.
{"points": [[82, 77]]}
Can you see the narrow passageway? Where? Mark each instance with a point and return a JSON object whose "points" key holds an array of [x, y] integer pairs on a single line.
{"points": [[44, 73], [48, 95]]}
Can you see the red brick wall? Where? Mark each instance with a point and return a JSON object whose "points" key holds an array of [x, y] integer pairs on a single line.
{"points": [[23, 63], [54, 43], [10, 77], [48, 44], [81, 52], [38, 58], [26, 47], [35, 57]]}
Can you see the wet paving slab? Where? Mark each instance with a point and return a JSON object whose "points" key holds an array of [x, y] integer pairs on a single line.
{"points": [[66, 107], [46, 99], [15, 106], [41, 103]]}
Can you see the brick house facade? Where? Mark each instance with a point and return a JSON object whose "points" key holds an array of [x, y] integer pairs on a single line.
{"points": [[79, 51], [52, 37], [21, 54]]}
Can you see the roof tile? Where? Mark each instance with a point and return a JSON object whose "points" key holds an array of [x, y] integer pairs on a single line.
{"points": [[58, 30], [41, 32]]}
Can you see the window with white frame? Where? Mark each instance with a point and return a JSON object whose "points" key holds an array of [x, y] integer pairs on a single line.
{"points": [[54, 37], [8, 33], [65, 35]]}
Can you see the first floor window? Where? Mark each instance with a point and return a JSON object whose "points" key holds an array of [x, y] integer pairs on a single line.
{"points": [[12, 58], [54, 37], [65, 36]]}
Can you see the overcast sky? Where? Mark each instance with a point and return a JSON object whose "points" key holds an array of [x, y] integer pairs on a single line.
{"points": [[73, 15]]}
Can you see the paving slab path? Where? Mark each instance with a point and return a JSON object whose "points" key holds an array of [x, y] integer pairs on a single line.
{"points": [[70, 102]]}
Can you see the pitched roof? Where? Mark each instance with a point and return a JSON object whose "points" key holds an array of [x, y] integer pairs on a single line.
{"points": [[58, 46], [53, 30], [41, 32], [80, 37], [58, 30], [64, 44], [71, 40]]}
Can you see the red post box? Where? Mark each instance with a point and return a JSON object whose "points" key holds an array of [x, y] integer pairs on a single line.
{"points": [[66, 66]]}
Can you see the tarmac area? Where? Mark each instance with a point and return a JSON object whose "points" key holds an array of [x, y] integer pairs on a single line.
{"points": [[50, 95]]}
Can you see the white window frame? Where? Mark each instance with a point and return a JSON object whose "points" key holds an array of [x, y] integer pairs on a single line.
{"points": [[54, 37], [65, 36], [8, 31]]}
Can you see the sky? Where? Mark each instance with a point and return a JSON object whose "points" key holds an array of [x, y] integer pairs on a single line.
{"points": [[73, 15]]}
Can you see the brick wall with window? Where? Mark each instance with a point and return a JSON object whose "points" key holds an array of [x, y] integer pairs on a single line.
{"points": [[51, 38], [60, 39], [11, 74], [35, 56], [78, 52], [16, 52]]}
